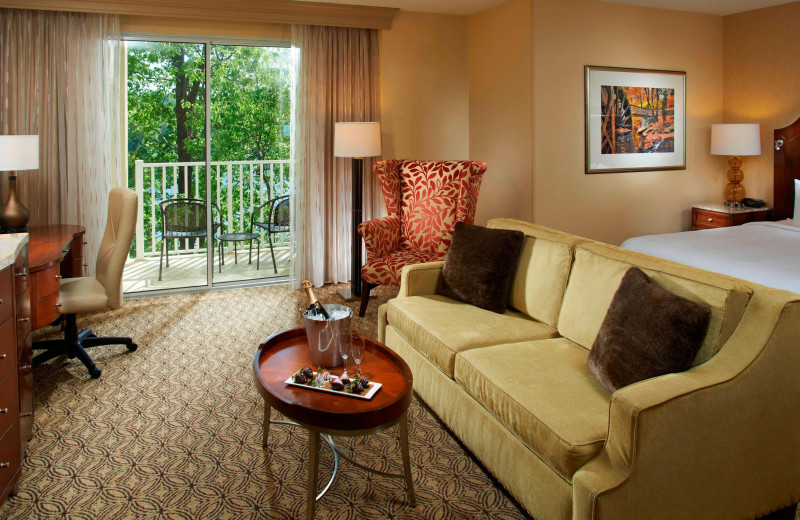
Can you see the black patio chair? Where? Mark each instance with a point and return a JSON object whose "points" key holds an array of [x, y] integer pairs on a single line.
{"points": [[186, 219], [277, 220]]}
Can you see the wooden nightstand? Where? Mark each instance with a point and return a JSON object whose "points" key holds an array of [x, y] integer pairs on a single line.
{"points": [[713, 215]]}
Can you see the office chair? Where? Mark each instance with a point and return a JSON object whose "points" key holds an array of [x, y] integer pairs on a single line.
{"points": [[98, 293]]}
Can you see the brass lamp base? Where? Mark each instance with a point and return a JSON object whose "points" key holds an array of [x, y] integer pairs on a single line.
{"points": [[734, 190], [14, 215]]}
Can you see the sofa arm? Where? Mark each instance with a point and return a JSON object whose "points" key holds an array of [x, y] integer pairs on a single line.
{"points": [[420, 279], [381, 236], [717, 441]]}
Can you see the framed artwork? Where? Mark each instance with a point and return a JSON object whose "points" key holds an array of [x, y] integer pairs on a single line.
{"points": [[635, 120]]}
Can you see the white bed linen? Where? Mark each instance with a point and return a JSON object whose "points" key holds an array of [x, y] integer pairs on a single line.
{"points": [[763, 252]]}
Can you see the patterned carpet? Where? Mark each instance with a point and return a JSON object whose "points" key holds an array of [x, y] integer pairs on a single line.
{"points": [[173, 430]]}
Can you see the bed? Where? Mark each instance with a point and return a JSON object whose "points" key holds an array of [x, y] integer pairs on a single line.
{"points": [[762, 252]]}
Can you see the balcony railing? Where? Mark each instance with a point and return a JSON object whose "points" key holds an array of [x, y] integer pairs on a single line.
{"points": [[237, 188]]}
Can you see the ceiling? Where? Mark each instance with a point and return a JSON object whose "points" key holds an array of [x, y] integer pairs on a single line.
{"points": [[466, 7]]}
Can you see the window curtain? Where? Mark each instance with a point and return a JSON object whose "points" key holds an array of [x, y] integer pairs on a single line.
{"points": [[60, 79], [336, 80]]}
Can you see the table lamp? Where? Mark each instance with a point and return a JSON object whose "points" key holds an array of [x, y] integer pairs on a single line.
{"points": [[17, 152], [735, 141], [356, 140]]}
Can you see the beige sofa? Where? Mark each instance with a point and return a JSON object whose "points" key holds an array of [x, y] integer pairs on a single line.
{"points": [[721, 440]]}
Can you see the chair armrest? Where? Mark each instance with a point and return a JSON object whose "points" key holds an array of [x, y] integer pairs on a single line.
{"points": [[717, 441], [420, 279], [381, 236]]}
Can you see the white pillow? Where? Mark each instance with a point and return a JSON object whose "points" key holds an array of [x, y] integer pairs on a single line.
{"points": [[796, 219]]}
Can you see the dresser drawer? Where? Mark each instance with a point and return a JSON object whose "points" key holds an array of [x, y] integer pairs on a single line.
{"points": [[6, 294], [9, 402], [10, 458], [21, 280], [25, 387], [710, 219], [8, 347], [23, 317], [47, 311]]}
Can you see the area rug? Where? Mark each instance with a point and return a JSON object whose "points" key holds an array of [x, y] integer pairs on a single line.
{"points": [[173, 430]]}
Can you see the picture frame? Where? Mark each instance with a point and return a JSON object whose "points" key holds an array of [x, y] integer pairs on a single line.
{"points": [[635, 119]]}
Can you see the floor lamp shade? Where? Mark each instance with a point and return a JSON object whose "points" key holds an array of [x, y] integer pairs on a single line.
{"points": [[735, 140], [356, 140], [17, 152]]}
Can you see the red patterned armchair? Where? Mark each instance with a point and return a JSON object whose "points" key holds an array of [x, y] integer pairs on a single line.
{"points": [[424, 200]]}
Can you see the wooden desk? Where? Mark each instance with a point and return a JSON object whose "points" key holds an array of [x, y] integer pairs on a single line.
{"points": [[54, 252]]}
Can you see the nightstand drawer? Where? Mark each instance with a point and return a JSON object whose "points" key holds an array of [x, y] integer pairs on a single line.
{"points": [[710, 219]]}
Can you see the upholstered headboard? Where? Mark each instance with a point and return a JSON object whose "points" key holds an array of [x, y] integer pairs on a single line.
{"points": [[787, 169]]}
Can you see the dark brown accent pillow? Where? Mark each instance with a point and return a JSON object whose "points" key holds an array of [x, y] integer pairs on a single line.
{"points": [[480, 265], [647, 332]]}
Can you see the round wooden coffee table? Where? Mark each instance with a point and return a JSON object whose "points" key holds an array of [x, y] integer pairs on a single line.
{"points": [[280, 355]]}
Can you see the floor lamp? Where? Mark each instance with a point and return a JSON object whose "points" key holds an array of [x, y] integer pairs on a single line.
{"points": [[356, 140], [17, 152]]}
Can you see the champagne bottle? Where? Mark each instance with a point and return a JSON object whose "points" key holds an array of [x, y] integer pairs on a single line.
{"points": [[314, 307]]}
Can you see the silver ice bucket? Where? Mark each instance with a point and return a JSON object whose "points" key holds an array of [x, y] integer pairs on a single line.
{"points": [[323, 335]]}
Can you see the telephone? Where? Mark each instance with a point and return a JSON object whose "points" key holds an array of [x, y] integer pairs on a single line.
{"points": [[754, 203]]}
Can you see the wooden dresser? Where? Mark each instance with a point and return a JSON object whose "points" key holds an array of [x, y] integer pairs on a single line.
{"points": [[713, 215], [16, 355]]}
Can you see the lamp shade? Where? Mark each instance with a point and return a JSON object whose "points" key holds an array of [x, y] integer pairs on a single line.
{"points": [[19, 152], [743, 139], [357, 139]]}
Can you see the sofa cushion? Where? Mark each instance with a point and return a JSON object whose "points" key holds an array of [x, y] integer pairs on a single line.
{"points": [[596, 274], [480, 266], [543, 269], [647, 332], [440, 327], [543, 392]]}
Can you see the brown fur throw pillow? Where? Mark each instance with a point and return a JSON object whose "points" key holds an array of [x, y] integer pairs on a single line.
{"points": [[647, 332], [480, 265]]}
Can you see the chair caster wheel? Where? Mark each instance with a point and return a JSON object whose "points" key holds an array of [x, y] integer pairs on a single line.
{"points": [[132, 347], [95, 373]]}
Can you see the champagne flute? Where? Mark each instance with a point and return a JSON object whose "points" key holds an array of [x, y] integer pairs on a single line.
{"points": [[344, 341], [357, 350]]}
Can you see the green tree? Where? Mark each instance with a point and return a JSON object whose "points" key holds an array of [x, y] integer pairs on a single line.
{"points": [[250, 114]]}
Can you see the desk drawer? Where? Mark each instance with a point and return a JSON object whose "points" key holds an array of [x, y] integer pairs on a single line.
{"points": [[8, 348], [47, 281], [710, 219], [47, 311], [6, 294], [10, 458]]}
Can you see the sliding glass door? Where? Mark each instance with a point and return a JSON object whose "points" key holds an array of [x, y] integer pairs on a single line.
{"points": [[208, 153]]}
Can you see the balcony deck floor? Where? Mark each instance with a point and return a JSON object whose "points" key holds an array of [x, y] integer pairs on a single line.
{"points": [[188, 270]]}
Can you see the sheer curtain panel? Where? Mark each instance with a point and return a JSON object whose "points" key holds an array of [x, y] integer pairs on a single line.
{"points": [[337, 79], [60, 79]]}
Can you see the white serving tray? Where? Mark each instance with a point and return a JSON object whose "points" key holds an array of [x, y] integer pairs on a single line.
{"points": [[372, 389]]}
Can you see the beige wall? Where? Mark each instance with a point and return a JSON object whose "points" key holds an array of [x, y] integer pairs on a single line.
{"points": [[424, 87], [501, 108], [613, 207], [762, 82]]}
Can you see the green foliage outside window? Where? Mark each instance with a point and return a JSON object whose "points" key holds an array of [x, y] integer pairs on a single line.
{"points": [[250, 116]]}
